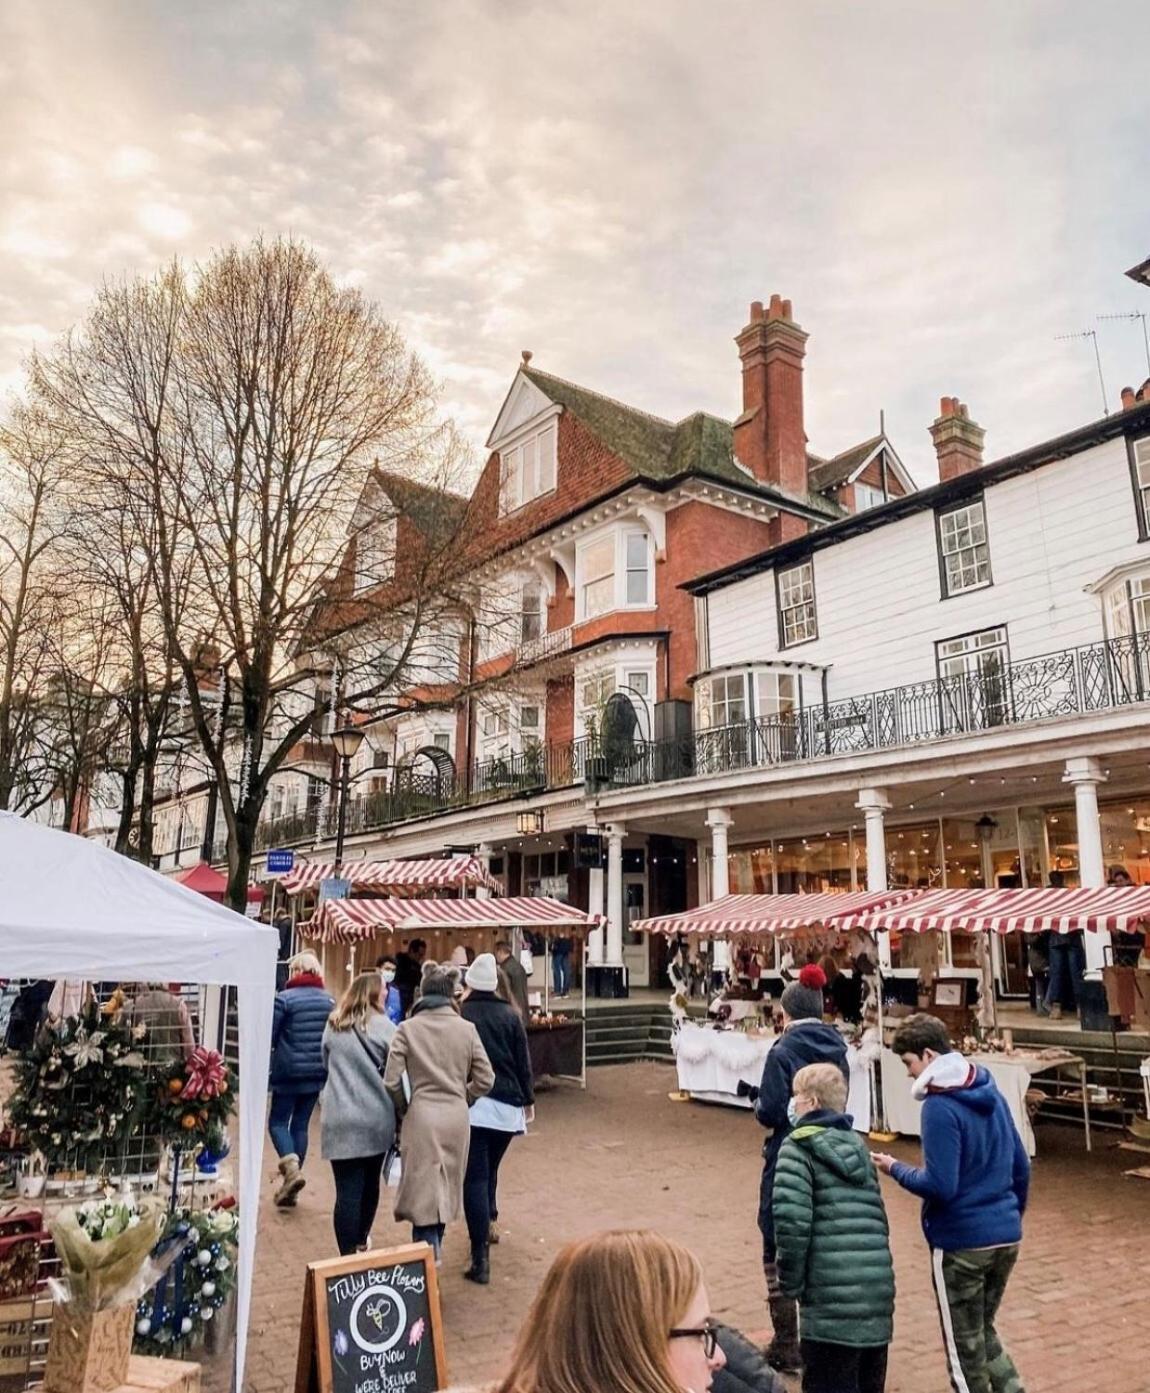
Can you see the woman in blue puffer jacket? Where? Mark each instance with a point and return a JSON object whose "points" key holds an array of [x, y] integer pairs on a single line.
{"points": [[298, 1073]]}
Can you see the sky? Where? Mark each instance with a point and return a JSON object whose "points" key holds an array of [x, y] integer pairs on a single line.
{"points": [[941, 189]]}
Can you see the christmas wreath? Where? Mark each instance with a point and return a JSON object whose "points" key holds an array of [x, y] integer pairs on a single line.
{"points": [[81, 1090], [173, 1316], [195, 1100]]}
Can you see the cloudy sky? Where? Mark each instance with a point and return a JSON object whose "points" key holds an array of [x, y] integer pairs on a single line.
{"points": [[940, 188]]}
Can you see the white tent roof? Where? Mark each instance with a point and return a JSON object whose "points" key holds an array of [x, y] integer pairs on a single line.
{"points": [[70, 908]]}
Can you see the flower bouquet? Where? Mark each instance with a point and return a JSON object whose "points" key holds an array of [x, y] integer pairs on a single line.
{"points": [[104, 1246]]}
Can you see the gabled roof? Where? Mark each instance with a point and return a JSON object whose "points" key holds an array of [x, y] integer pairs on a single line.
{"points": [[658, 451], [844, 468], [435, 511]]}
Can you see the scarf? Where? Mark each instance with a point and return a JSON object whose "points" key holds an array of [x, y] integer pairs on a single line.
{"points": [[304, 979], [944, 1073]]}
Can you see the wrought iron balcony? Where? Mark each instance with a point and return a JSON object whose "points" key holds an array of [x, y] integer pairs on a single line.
{"points": [[548, 645]]}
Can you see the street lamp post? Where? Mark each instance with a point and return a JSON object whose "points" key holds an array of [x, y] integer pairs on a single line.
{"points": [[347, 740]]}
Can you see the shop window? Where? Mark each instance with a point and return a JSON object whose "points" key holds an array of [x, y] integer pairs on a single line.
{"points": [[963, 549], [914, 856], [798, 621], [973, 685], [814, 865], [751, 870]]}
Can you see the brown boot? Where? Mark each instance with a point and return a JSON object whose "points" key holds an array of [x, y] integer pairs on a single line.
{"points": [[293, 1182], [492, 1233], [783, 1351]]}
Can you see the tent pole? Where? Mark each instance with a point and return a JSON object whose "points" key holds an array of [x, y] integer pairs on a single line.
{"points": [[546, 974]]}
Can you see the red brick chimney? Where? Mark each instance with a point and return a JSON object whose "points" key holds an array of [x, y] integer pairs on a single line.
{"points": [[957, 440], [769, 436]]}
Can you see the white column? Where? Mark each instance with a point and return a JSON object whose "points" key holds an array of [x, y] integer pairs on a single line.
{"points": [[615, 834], [1085, 775], [719, 821], [483, 856], [874, 804], [595, 906]]}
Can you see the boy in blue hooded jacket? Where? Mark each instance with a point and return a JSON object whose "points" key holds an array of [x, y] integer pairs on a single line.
{"points": [[973, 1184]]}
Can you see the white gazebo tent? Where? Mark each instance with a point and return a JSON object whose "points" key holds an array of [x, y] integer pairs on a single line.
{"points": [[72, 909]]}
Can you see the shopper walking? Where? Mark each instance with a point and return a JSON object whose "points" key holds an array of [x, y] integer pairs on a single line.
{"points": [[408, 966], [973, 1185], [516, 977], [832, 1240], [500, 1116], [297, 1070], [805, 1040], [561, 965], [392, 1001], [357, 1115], [624, 1310], [446, 1070]]}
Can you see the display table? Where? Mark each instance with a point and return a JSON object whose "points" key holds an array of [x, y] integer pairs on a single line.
{"points": [[1012, 1074], [712, 1062], [556, 1049]]}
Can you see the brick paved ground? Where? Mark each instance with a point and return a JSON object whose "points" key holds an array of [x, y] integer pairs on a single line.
{"points": [[623, 1154]]}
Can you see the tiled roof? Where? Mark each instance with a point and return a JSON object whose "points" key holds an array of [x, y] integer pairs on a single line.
{"points": [[831, 473], [435, 511]]}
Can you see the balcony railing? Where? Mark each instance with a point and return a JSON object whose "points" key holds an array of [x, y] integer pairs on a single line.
{"points": [[1076, 681], [534, 650]]}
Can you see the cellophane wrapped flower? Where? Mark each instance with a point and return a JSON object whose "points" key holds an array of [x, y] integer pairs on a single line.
{"points": [[104, 1247]]}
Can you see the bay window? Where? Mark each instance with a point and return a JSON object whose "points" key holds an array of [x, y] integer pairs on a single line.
{"points": [[637, 554], [746, 717], [597, 591], [614, 572]]}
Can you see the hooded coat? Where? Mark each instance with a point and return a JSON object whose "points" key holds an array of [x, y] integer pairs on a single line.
{"points": [[832, 1241], [975, 1174], [802, 1043], [447, 1070]]}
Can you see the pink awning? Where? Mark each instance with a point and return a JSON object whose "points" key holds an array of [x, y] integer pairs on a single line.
{"points": [[395, 877], [1116, 908], [734, 916], [346, 921]]}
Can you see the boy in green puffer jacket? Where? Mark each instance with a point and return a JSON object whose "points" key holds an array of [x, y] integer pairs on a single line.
{"points": [[833, 1241]]}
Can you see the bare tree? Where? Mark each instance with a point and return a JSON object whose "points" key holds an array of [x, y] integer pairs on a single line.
{"points": [[30, 604]]}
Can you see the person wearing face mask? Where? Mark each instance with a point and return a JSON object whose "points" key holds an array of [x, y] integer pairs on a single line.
{"points": [[832, 1240], [393, 1008], [805, 1040], [626, 1310]]}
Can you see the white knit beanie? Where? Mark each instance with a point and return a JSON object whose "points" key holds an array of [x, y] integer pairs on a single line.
{"points": [[483, 974]]}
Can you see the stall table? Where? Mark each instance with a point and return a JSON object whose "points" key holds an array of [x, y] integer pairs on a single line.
{"points": [[1012, 1074], [711, 1064], [556, 1050]]}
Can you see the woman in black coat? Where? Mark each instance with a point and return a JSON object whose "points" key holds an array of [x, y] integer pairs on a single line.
{"points": [[503, 1114]]}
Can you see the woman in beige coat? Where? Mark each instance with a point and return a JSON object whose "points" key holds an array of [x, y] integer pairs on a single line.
{"points": [[446, 1070]]}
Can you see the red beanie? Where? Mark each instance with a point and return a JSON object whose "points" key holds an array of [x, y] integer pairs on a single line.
{"points": [[813, 976]]}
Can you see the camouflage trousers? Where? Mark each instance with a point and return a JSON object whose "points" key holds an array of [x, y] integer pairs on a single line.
{"points": [[969, 1286]]}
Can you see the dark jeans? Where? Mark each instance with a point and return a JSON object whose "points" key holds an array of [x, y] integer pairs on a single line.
{"points": [[831, 1368], [288, 1122], [356, 1200], [429, 1233], [969, 1286], [561, 973], [481, 1181], [1067, 969]]}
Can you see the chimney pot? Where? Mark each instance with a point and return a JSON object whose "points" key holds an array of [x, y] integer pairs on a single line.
{"points": [[787, 309], [775, 310], [756, 311], [958, 440]]}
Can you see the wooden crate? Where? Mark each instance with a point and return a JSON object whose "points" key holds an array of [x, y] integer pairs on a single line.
{"points": [[147, 1375]]}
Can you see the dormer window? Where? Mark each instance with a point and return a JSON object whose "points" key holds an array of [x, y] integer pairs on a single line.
{"points": [[527, 469], [867, 496], [375, 554]]}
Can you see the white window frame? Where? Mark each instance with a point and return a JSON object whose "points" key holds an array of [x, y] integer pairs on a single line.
{"points": [[627, 570], [375, 554], [963, 555], [1127, 607], [528, 467], [969, 654], [619, 540], [1140, 468], [797, 604], [874, 497], [606, 582], [532, 606]]}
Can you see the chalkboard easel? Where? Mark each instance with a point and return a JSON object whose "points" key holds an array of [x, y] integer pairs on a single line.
{"points": [[371, 1324]]}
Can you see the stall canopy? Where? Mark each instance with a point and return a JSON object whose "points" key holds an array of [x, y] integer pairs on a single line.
{"points": [[396, 877], [1117, 908], [71, 908], [348, 921], [205, 880], [738, 916]]}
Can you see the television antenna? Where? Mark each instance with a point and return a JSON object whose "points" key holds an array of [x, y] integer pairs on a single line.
{"points": [[1090, 334], [1135, 314]]}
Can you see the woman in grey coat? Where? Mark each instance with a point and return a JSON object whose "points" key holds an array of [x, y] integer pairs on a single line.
{"points": [[358, 1116]]}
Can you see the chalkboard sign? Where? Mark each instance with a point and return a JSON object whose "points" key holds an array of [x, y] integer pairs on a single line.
{"points": [[371, 1324]]}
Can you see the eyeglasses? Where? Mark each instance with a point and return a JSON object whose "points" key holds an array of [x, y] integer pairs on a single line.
{"points": [[707, 1333]]}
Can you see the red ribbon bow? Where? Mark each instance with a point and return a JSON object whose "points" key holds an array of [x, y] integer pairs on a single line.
{"points": [[206, 1072]]}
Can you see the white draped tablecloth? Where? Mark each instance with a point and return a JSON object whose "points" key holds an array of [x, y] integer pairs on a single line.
{"points": [[711, 1063], [1011, 1074]]}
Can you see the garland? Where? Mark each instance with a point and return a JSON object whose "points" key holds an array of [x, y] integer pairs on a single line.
{"points": [[81, 1089], [172, 1318]]}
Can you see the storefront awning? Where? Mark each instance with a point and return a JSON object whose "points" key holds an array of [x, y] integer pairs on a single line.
{"points": [[347, 921], [1117, 908], [395, 877], [736, 916]]}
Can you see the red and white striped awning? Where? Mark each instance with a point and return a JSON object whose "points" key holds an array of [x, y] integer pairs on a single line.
{"points": [[395, 877], [736, 916], [1117, 908], [346, 921]]}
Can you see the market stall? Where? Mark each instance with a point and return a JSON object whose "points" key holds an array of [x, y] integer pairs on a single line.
{"points": [[77, 912], [713, 1059], [399, 878], [1114, 909], [557, 1043]]}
